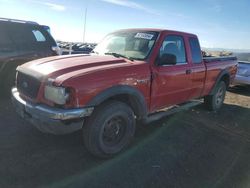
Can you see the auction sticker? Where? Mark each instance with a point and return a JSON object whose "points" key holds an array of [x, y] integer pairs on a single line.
{"points": [[144, 36]]}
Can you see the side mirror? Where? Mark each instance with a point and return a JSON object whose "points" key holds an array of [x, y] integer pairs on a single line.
{"points": [[167, 59]]}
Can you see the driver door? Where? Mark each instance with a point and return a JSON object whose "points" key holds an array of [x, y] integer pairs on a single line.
{"points": [[171, 74]]}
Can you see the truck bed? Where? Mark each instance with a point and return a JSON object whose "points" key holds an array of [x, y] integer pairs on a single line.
{"points": [[219, 58], [215, 66]]}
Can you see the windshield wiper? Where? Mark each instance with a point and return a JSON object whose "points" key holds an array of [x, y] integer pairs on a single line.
{"points": [[119, 55]]}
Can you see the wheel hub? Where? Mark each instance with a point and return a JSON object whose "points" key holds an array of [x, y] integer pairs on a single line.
{"points": [[113, 131], [219, 96]]}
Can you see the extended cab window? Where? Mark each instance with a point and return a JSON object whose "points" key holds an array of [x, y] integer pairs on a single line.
{"points": [[195, 50], [172, 51]]}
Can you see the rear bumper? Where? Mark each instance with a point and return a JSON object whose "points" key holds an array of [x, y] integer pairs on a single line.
{"points": [[241, 80], [48, 119]]}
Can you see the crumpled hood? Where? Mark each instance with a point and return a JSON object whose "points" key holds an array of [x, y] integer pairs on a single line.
{"points": [[69, 66]]}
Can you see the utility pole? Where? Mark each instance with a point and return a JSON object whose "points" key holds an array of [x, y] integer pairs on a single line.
{"points": [[85, 21]]}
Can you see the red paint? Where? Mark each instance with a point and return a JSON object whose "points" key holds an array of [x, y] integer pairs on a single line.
{"points": [[88, 76]]}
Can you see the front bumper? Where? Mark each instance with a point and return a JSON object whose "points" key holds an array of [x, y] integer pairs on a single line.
{"points": [[48, 119], [241, 80]]}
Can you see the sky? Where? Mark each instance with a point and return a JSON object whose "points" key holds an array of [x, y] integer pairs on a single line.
{"points": [[218, 23]]}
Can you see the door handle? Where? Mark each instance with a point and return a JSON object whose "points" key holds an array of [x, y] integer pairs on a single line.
{"points": [[189, 71]]}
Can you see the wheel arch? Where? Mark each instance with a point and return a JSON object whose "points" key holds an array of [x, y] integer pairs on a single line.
{"points": [[223, 76], [127, 94]]}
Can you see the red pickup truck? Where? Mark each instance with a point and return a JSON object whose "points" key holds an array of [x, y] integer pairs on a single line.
{"points": [[131, 75]]}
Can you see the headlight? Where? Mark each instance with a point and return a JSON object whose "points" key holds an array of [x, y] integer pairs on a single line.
{"points": [[57, 95]]}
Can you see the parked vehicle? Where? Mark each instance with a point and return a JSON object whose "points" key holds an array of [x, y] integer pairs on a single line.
{"points": [[243, 74], [132, 75], [75, 48], [20, 42]]}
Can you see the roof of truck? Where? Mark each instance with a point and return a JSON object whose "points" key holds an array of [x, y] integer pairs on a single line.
{"points": [[157, 30]]}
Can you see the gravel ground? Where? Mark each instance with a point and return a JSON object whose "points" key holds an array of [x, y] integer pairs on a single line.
{"points": [[191, 149]]}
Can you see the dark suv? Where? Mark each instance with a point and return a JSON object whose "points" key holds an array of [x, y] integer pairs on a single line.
{"points": [[20, 42]]}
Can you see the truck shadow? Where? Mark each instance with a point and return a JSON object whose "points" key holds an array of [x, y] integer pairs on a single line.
{"points": [[192, 149], [241, 90]]}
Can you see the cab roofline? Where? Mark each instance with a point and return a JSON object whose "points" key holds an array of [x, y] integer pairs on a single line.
{"points": [[156, 30]]}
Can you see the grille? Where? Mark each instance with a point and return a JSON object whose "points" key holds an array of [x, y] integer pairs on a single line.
{"points": [[27, 85]]}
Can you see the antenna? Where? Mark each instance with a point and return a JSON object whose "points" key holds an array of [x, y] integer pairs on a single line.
{"points": [[85, 21]]}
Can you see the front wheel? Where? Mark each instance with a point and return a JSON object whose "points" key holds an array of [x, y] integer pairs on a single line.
{"points": [[109, 129], [215, 101]]}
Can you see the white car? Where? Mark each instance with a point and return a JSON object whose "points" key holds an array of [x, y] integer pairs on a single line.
{"points": [[243, 74]]}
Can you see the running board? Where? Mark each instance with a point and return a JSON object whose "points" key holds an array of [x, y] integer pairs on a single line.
{"points": [[171, 110]]}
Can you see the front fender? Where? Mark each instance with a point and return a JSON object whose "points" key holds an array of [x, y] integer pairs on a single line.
{"points": [[137, 98]]}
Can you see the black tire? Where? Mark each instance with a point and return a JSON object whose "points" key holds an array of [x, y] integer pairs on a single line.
{"points": [[215, 101], [109, 129]]}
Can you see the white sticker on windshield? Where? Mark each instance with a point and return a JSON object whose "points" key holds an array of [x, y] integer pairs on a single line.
{"points": [[144, 36]]}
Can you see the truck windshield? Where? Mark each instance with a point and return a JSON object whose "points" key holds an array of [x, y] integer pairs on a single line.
{"points": [[134, 45]]}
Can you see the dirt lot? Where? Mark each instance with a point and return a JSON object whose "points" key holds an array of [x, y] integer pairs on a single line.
{"points": [[192, 149]]}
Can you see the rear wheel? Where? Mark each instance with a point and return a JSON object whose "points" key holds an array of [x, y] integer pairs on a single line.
{"points": [[215, 101], [109, 129]]}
